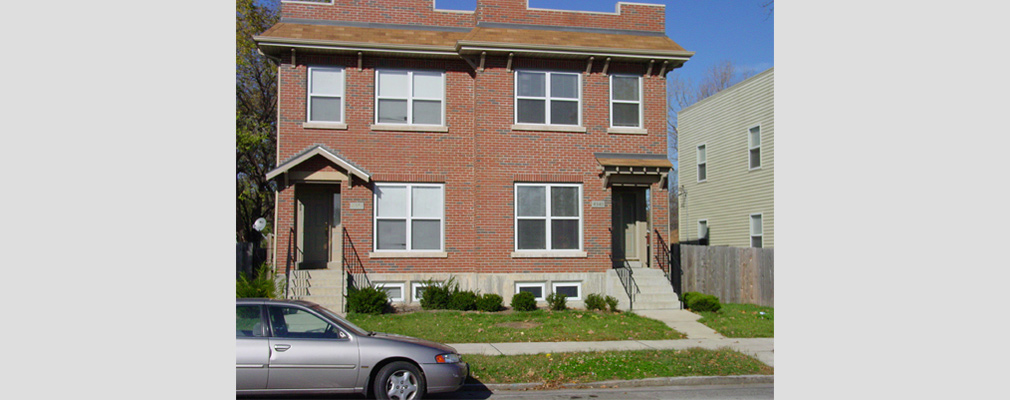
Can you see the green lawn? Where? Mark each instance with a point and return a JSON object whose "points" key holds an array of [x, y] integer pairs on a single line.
{"points": [[508, 326], [741, 321], [554, 369]]}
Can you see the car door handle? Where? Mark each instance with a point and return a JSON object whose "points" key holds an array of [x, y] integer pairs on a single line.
{"points": [[282, 347]]}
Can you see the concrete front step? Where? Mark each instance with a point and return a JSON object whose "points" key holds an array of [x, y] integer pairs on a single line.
{"points": [[655, 291]]}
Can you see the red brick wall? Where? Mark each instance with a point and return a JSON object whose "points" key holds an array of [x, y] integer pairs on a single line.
{"points": [[480, 158], [414, 12], [640, 17]]}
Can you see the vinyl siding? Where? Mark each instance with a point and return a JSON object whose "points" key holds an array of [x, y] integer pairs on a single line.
{"points": [[732, 191]]}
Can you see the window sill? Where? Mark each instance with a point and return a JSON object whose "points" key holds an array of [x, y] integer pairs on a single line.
{"points": [[409, 128], [549, 128], [627, 131], [549, 254], [324, 125], [408, 254]]}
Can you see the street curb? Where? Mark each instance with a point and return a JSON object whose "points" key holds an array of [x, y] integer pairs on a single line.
{"points": [[663, 381]]}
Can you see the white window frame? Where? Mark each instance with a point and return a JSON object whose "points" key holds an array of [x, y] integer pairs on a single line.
{"points": [[751, 147], [702, 222], [548, 217], [409, 218], [700, 162], [414, 286], [750, 224], [410, 96], [578, 288], [541, 285], [639, 102], [546, 98], [400, 285], [342, 95]]}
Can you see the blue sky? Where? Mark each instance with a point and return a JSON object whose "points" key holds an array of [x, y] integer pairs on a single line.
{"points": [[740, 31]]}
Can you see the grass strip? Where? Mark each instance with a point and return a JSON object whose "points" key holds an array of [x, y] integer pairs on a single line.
{"points": [[561, 368], [741, 320], [533, 326]]}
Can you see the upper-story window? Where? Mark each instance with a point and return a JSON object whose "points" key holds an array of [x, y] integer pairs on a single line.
{"points": [[702, 164], [754, 146], [409, 97], [326, 94], [409, 216], [548, 98], [625, 101]]}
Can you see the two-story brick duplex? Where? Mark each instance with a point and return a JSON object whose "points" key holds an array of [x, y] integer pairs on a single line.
{"points": [[513, 148]]}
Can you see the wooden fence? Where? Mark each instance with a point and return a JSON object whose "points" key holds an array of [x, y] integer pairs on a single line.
{"points": [[734, 274]]}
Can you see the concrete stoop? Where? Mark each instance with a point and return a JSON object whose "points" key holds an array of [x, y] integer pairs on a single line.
{"points": [[655, 291], [321, 286]]}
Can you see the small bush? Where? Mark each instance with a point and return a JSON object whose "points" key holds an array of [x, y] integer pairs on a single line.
{"points": [[524, 301], [263, 285], [464, 300], [595, 301], [612, 302], [557, 301], [489, 302], [437, 295], [368, 300], [703, 302], [686, 296]]}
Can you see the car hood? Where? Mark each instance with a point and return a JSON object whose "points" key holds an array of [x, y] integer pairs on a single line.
{"points": [[414, 340]]}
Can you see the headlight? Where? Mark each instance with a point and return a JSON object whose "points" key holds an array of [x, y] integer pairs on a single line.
{"points": [[449, 358]]}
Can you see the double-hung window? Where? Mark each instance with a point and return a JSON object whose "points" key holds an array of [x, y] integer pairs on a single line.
{"points": [[548, 216], [409, 217], [756, 230], [625, 101], [410, 97], [548, 98], [702, 164], [326, 94], [754, 146]]}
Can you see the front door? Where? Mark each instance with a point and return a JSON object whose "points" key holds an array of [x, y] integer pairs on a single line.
{"points": [[319, 234], [630, 226]]}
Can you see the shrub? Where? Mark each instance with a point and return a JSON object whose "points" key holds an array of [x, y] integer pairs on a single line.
{"points": [[464, 300], [524, 301], [367, 300], [595, 301], [262, 285], [437, 295], [557, 301], [703, 302], [612, 302], [686, 296], [489, 302]]}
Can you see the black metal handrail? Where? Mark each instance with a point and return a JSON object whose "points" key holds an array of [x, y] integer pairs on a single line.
{"points": [[354, 270], [663, 256], [627, 277], [290, 261]]}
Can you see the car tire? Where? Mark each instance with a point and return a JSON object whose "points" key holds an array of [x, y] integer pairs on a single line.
{"points": [[399, 380]]}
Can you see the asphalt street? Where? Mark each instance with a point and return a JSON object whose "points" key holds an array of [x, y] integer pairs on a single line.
{"points": [[756, 391]]}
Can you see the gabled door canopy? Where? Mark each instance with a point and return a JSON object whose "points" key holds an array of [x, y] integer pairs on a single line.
{"points": [[319, 150]]}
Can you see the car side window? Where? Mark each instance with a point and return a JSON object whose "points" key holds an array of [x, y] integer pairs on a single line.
{"points": [[247, 321], [291, 322]]}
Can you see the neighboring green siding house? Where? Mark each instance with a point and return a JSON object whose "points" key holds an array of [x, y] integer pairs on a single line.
{"points": [[727, 166]]}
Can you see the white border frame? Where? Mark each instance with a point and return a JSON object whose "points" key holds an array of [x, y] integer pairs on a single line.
{"points": [[309, 95], [750, 228], [408, 217], [751, 147], [699, 163], [640, 102], [541, 285], [577, 284], [546, 98], [414, 298], [548, 217], [401, 285], [410, 97], [698, 232]]}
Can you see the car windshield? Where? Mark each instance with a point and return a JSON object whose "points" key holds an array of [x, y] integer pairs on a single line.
{"points": [[347, 324]]}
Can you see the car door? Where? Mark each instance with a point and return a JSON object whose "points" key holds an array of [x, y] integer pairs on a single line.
{"points": [[252, 348], [309, 352]]}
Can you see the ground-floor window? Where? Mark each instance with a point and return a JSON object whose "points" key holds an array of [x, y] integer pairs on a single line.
{"points": [[571, 290], [394, 291], [548, 216], [756, 230], [537, 288], [409, 216]]}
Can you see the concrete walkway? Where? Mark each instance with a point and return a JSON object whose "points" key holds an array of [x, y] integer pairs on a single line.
{"points": [[698, 335]]}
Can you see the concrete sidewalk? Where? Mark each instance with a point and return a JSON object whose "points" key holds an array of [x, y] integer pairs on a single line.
{"points": [[698, 335]]}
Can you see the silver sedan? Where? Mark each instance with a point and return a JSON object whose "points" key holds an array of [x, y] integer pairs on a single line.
{"points": [[299, 347]]}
